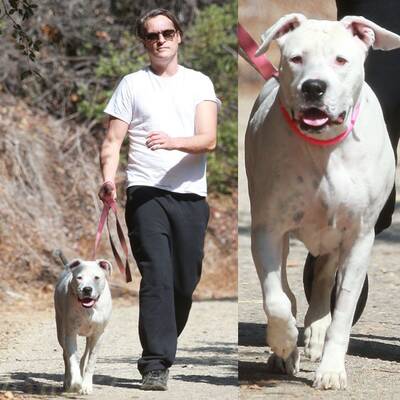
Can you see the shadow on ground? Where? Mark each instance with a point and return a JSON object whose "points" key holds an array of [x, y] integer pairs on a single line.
{"points": [[216, 357], [51, 384], [367, 346], [260, 373], [32, 383], [209, 379]]}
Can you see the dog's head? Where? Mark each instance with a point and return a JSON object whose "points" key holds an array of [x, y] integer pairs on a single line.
{"points": [[88, 280], [322, 67]]}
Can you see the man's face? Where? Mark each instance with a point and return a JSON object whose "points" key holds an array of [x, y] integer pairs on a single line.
{"points": [[157, 45]]}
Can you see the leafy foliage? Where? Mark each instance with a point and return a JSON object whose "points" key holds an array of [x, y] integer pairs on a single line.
{"points": [[211, 48], [17, 12]]}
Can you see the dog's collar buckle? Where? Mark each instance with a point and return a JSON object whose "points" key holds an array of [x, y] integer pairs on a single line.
{"points": [[321, 142]]}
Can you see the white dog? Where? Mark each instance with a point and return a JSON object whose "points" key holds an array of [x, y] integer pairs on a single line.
{"points": [[320, 167], [83, 307]]}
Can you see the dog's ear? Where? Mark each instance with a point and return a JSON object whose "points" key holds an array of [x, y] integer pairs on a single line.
{"points": [[106, 265], [371, 34], [280, 28], [73, 264]]}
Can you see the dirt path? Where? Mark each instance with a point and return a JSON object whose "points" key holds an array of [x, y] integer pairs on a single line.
{"points": [[373, 360], [206, 367]]}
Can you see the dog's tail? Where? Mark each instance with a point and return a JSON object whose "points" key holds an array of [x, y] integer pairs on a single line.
{"points": [[58, 253]]}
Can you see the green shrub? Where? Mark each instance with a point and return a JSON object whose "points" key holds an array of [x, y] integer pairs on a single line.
{"points": [[211, 47]]}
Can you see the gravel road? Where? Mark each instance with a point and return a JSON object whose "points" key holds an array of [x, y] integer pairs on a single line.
{"points": [[206, 366], [373, 360]]}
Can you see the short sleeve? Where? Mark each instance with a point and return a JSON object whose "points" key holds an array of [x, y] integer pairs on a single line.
{"points": [[206, 91], [121, 103]]}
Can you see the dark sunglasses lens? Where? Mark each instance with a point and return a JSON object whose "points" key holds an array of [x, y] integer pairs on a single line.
{"points": [[168, 33], [151, 36]]}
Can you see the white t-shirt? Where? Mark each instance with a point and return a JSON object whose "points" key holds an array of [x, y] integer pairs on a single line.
{"points": [[148, 102]]}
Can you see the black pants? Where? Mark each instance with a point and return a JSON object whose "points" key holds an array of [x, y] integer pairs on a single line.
{"points": [[166, 232], [381, 72]]}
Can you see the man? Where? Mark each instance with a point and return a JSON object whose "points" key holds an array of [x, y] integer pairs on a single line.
{"points": [[170, 115]]}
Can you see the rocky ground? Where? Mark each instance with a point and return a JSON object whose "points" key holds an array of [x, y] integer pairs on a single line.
{"points": [[31, 365]]}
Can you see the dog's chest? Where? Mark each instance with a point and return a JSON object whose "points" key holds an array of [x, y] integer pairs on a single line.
{"points": [[327, 209], [89, 321]]}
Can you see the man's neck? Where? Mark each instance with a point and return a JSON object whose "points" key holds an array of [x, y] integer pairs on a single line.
{"points": [[169, 68]]}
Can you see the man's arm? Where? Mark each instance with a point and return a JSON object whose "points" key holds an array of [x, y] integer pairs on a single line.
{"points": [[204, 139], [109, 155]]}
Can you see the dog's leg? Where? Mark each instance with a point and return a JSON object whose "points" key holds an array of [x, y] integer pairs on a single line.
{"points": [[74, 382], [331, 372], [92, 348], [318, 316], [85, 357], [67, 374], [267, 250], [285, 283], [61, 341]]}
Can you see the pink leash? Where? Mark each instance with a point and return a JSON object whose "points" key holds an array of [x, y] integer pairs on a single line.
{"points": [[108, 204], [249, 46], [267, 71]]}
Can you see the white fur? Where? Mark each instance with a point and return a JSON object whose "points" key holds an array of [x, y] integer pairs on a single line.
{"points": [[74, 319], [329, 198]]}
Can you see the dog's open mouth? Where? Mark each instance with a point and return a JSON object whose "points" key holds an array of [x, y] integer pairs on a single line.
{"points": [[314, 119], [87, 302]]}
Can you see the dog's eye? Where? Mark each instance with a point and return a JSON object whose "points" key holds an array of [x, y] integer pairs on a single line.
{"points": [[297, 60], [97, 277], [341, 60], [79, 278]]}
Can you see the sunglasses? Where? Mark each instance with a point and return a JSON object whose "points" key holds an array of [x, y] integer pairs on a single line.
{"points": [[167, 34]]}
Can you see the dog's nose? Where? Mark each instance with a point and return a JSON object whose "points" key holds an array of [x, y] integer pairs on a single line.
{"points": [[313, 89], [87, 290]]}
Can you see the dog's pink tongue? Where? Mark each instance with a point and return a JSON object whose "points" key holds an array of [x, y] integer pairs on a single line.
{"points": [[314, 117], [88, 303]]}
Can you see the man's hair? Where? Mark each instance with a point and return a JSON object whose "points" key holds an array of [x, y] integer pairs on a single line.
{"points": [[141, 22]]}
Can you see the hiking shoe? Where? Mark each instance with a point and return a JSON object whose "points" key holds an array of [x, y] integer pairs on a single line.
{"points": [[155, 380]]}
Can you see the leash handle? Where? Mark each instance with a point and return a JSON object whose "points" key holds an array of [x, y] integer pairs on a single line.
{"points": [[249, 47], [110, 203], [124, 269]]}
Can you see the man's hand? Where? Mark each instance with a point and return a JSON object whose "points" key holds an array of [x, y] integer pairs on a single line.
{"points": [[159, 140], [107, 192]]}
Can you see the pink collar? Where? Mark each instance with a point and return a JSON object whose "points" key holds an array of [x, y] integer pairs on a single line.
{"points": [[320, 142]]}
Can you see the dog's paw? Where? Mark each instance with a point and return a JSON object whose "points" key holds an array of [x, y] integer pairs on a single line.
{"points": [[331, 374], [290, 366], [314, 338], [330, 380], [74, 387], [282, 336], [87, 388]]}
